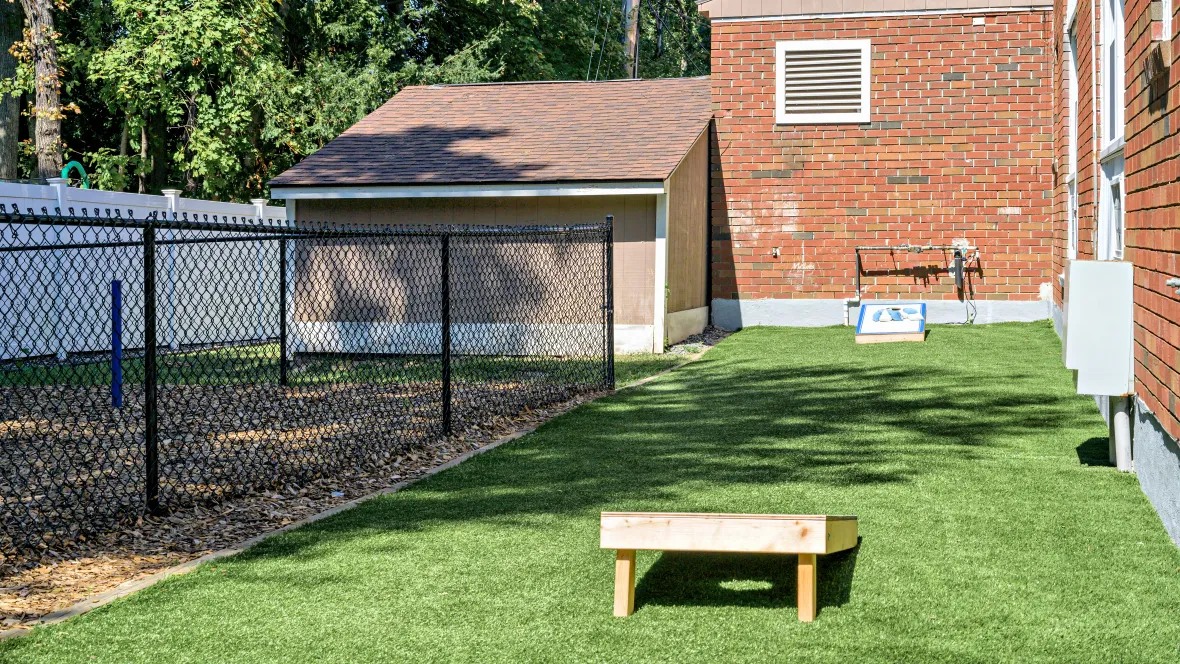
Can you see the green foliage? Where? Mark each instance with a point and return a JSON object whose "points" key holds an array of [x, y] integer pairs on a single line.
{"points": [[219, 96]]}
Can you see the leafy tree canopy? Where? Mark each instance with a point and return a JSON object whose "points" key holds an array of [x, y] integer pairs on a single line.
{"points": [[218, 96]]}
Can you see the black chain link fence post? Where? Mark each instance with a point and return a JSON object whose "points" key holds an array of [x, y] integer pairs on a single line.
{"points": [[282, 311], [150, 378], [445, 288], [609, 297]]}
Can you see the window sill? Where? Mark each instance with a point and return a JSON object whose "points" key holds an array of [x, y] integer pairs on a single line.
{"points": [[1113, 150]]}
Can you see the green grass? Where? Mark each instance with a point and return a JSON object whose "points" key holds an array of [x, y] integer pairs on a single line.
{"points": [[630, 368], [988, 531]]}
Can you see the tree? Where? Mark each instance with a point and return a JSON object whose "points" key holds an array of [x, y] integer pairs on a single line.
{"points": [[219, 96], [674, 39], [47, 112], [11, 33]]}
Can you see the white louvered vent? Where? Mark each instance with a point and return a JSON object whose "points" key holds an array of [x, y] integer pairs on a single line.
{"points": [[822, 81]]}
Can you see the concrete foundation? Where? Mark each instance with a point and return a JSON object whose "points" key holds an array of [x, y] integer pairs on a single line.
{"points": [[1157, 464], [736, 314]]}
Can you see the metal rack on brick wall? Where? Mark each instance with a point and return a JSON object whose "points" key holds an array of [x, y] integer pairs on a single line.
{"points": [[148, 364]]}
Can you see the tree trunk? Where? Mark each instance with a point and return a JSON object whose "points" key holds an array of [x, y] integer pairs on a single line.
{"points": [[11, 31], [158, 153], [190, 126], [143, 158], [47, 106], [124, 145]]}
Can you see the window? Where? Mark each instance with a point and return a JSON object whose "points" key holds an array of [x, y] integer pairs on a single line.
{"points": [[1117, 235], [1111, 215], [1167, 11], [1071, 247], [1072, 92], [1113, 109], [822, 81]]}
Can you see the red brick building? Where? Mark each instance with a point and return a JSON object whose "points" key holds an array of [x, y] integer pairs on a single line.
{"points": [[952, 145], [1038, 134], [1152, 154]]}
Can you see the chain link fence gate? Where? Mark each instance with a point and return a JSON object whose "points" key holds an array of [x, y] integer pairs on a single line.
{"points": [[150, 364]]}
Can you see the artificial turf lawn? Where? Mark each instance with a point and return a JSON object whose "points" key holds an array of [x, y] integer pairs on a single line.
{"points": [[989, 530]]}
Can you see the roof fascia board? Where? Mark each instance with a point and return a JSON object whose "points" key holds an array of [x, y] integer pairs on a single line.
{"points": [[471, 190], [884, 14]]}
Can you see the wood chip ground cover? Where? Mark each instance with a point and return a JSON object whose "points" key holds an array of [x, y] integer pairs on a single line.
{"points": [[77, 568], [219, 514]]}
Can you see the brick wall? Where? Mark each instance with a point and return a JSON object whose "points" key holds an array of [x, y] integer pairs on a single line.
{"points": [[960, 146], [1153, 218]]}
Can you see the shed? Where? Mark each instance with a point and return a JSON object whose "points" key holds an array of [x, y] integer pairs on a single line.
{"points": [[567, 152]]}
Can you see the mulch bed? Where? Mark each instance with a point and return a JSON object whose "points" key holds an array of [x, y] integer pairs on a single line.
{"points": [[213, 488], [32, 585]]}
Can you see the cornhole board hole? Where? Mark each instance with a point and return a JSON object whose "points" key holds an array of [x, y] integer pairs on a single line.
{"points": [[804, 535], [896, 321]]}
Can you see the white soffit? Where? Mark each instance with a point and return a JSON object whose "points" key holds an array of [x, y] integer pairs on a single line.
{"points": [[471, 190]]}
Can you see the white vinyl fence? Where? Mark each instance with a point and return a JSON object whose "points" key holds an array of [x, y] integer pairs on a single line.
{"points": [[59, 302]]}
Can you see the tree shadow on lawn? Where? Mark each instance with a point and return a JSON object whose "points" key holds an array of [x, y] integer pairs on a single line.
{"points": [[756, 580], [725, 423]]}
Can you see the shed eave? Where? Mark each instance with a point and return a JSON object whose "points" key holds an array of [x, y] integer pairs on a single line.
{"points": [[470, 190]]}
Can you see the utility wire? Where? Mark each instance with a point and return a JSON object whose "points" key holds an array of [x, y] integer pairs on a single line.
{"points": [[605, 33], [594, 40]]}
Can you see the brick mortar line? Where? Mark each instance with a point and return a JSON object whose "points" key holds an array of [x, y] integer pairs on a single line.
{"points": [[129, 587]]}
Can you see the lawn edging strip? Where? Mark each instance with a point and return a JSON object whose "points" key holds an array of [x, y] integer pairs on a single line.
{"points": [[128, 587]]}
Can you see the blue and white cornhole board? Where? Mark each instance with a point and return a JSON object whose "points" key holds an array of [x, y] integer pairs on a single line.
{"points": [[891, 321]]}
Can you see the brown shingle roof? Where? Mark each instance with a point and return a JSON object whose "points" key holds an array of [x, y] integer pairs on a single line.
{"points": [[516, 132]]}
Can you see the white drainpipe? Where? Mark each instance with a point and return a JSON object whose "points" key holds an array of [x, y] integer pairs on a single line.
{"points": [[1120, 433]]}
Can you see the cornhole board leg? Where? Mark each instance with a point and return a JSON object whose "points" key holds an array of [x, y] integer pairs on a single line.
{"points": [[807, 587], [624, 582]]}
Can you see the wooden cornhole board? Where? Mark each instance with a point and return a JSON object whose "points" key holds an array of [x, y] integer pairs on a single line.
{"points": [[874, 326], [804, 535]]}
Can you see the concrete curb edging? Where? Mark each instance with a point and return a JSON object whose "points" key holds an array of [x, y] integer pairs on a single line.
{"points": [[128, 587]]}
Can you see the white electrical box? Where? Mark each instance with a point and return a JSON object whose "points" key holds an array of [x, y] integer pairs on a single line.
{"points": [[1099, 326]]}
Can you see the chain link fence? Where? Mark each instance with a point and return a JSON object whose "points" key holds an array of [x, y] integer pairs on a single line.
{"points": [[150, 364]]}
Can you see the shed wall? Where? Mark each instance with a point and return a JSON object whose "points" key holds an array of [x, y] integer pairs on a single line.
{"points": [[688, 218], [634, 233]]}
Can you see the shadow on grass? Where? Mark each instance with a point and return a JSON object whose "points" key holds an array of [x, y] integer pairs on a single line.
{"points": [[729, 420], [756, 580], [1095, 452]]}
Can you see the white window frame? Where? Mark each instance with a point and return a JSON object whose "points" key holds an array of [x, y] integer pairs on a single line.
{"points": [[1110, 242], [1071, 248], [782, 47], [1118, 217], [1114, 74]]}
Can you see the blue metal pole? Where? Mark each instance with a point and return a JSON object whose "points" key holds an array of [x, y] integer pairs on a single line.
{"points": [[117, 344]]}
